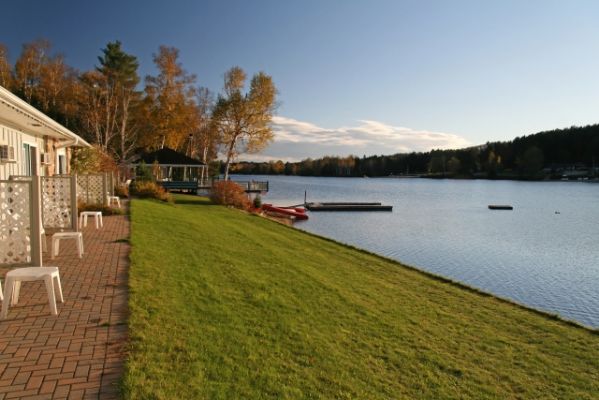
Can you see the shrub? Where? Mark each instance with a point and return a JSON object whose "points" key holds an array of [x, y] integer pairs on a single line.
{"points": [[144, 173], [81, 206], [229, 193], [91, 160], [149, 190], [257, 201], [121, 191]]}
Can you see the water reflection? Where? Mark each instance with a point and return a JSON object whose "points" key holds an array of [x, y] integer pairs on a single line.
{"points": [[543, 254]]}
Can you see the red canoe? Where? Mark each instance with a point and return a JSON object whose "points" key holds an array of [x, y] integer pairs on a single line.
{"points": [[298, 213]]}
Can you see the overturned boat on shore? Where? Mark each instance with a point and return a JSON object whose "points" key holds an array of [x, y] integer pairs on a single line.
{"points": [[297, 212]]}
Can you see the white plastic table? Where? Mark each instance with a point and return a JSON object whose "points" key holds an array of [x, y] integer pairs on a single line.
{"points": [[97, 218], [12, 286], [67, 235]]}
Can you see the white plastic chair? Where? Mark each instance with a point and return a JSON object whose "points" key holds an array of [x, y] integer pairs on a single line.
{"points": [[113, 199]]}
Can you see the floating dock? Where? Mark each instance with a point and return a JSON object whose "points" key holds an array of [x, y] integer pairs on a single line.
{"points": [[500, 207], [347, 207]]}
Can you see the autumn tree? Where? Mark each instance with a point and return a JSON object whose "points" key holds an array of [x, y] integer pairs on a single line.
{"points": [[28, 68], [170, 109], [120, 70], [243, 120], [106, 101], [47, 82], [206, 139], [5, 69]]}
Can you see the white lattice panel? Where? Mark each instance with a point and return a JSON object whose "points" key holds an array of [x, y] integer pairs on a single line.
{"points": [[15, 222], [90, 188], [57, 210]]}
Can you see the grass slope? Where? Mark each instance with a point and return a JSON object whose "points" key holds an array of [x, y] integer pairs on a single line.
{"points": [[226, 305]]}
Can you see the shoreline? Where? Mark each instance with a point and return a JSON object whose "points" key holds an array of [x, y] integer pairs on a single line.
{"points": [[258, 310], [440, 178], [456, 283]]}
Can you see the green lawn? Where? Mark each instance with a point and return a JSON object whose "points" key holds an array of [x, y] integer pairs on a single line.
{"points": [[226, 305]]}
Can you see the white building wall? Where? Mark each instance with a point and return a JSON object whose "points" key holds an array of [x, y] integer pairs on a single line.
{"points": [[16, 138]]}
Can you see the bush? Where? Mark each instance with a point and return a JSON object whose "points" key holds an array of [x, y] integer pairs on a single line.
{"points": [[144, 173], [229, 193], [81, 206], [121, 191], [92, 160], [149, 190], [257, 201]]}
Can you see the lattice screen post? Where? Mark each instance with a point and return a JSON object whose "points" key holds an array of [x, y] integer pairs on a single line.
{"points": [[36, 221], [111, 184], [105, 189], [86, 189], [74, 210]]}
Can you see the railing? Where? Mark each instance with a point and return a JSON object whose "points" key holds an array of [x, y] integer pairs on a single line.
{"points": [[253, 186], [248, 186], [206, 184]]}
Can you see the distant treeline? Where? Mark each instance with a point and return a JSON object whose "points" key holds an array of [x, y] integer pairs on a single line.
{"points": [[571, 152]]}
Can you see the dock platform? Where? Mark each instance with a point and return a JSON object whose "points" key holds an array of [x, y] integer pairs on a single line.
{"points": [[348, 207], [500, 207]]}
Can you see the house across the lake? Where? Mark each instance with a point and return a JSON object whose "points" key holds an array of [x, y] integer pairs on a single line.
{"points": [[31, 143]]}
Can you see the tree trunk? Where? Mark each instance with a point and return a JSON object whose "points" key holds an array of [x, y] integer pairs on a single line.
{"points": [[227, 168], [205, 169], [123, 130], [229, 156]]}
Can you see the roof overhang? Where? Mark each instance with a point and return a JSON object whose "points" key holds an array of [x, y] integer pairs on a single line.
{"points": [[20, 115]]}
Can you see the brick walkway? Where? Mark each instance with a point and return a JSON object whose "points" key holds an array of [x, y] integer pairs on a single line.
{"points": [[79, 353]]}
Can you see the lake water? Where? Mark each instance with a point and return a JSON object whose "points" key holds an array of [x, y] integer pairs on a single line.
{"points": [[544, 253]]}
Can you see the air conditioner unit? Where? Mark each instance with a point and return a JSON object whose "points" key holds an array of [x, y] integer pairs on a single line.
{"points": [[45, 158], [7, 154]]}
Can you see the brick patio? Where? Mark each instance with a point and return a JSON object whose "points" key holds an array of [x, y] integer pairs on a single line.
{"points": [[79, 353]]}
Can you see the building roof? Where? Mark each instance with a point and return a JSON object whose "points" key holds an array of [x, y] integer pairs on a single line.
{"points": [[167, 156], [21, 115]]}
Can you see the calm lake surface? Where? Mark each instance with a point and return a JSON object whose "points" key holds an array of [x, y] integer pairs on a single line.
{"points": [[533, 255]]}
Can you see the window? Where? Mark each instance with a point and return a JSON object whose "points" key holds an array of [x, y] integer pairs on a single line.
{"points": [[7, 153], [30, 161], [62, 164], [27, 159]]}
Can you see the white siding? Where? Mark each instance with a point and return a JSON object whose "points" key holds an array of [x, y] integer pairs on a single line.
{"points": [[16, 138]]}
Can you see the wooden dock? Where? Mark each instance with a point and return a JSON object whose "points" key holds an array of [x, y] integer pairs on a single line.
{"points": [[347, 207]]}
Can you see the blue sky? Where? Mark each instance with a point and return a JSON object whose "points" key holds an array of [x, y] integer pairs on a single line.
{"points": [[358, 77]]}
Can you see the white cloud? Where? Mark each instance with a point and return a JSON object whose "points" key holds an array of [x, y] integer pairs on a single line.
{"points": [[296, 140]]}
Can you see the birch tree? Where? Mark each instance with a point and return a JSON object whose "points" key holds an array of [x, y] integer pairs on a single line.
{"points": [[107, 98], [5, 69], [46, 81], [120, 70], [28, 68], [243, 120], [206, 139], [169, 102]]}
